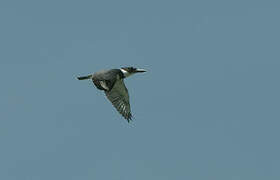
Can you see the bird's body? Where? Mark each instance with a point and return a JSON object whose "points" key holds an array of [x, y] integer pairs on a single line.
{"points": [[111, 82]]}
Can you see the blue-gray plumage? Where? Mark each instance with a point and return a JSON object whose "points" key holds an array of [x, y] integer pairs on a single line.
{"points": [[111, 82]]}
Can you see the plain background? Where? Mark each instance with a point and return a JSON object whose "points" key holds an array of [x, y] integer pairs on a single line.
{"points": [[208, 107]]}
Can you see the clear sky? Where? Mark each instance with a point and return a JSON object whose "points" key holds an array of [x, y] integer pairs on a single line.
{"points": [[208, 107]]}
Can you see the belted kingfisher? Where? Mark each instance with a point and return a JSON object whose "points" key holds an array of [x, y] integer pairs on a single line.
{"points": [[111, 82]]}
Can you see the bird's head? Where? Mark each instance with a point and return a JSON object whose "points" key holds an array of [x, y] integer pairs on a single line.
{"points": [[127, 71]]}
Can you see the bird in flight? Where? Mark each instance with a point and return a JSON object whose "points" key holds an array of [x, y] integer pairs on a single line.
{"points": [[111, 82]]}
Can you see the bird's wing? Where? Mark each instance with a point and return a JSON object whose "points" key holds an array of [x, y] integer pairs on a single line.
{"points": [[119, 97], [105, 80]]}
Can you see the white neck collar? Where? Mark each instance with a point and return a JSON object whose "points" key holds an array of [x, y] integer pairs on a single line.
{"points": [[125, 73]]}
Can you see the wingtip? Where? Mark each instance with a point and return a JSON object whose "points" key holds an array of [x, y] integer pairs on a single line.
{"points": [[129, 118]]}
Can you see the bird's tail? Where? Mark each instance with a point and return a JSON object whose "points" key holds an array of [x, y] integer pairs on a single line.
{"points": [[84, 77]]}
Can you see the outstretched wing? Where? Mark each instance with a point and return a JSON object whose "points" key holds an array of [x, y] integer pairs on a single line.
{"points": [[119, 97]]}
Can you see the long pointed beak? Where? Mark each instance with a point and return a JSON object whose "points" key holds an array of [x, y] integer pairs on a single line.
{"points": [[141, 70]]}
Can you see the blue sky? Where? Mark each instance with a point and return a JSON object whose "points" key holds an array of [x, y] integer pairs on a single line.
{"points": [[208, 107]]}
